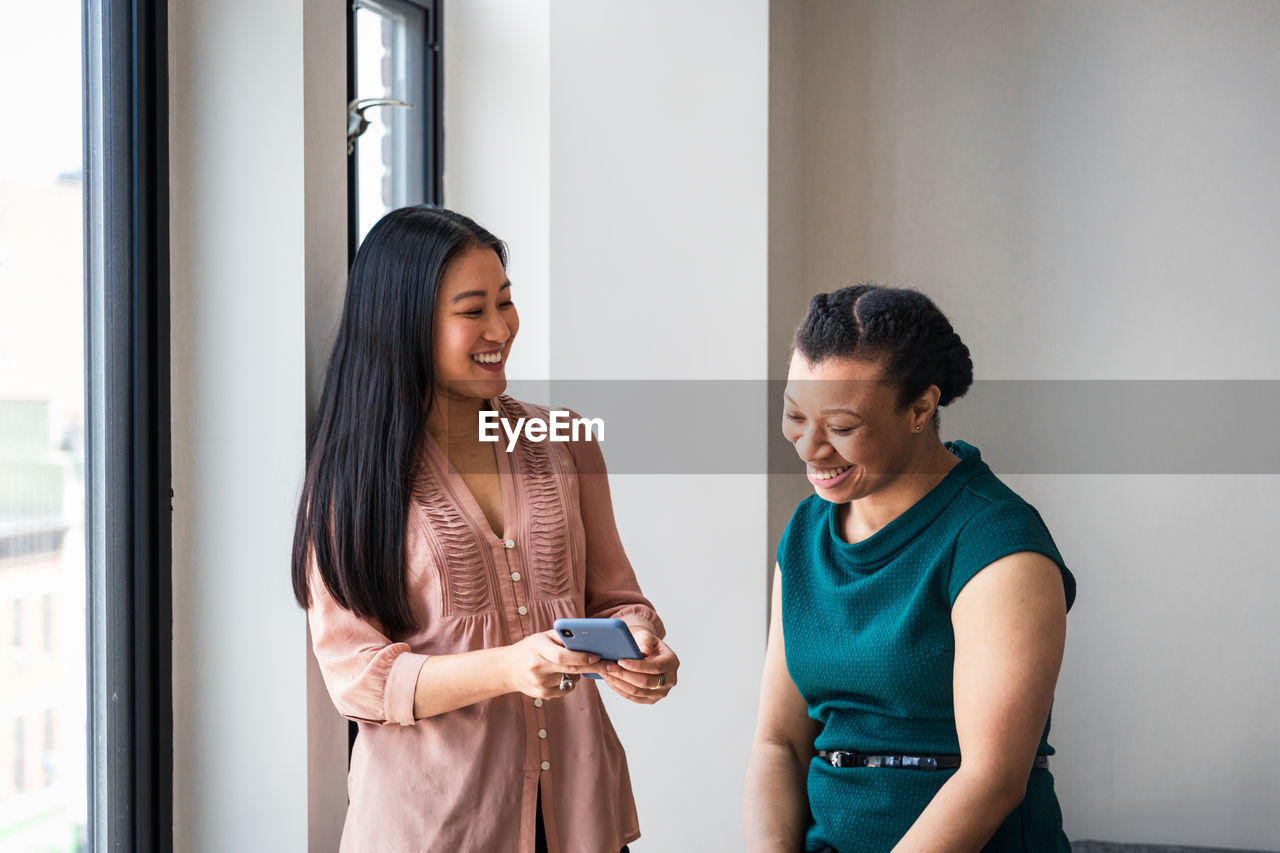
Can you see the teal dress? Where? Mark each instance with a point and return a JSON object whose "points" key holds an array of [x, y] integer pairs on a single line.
{"points": [[870, 648]]}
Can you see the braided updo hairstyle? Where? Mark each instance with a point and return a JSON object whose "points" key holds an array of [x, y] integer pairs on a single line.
{"points": [[901, 328]]}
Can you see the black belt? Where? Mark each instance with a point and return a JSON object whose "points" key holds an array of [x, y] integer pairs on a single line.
{"points": [[842, 758]]}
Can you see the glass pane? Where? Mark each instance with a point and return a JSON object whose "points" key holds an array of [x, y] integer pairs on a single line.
{"points": [[43, 788], [375, 33], [390, 44]]}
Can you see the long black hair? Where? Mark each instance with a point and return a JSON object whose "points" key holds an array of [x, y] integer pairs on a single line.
{"points": [[901, 327], [378, 389]]}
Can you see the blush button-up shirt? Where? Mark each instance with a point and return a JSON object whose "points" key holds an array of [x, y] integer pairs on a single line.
{"points": [[469, 779]]}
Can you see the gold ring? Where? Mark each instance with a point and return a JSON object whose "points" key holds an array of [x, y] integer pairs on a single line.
{"points": [[662, 680]]}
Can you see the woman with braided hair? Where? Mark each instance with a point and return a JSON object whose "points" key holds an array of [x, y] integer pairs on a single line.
{"points": [[923, 605]]}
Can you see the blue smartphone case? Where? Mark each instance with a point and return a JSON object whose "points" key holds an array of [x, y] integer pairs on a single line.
{"points": [[609, 638]]}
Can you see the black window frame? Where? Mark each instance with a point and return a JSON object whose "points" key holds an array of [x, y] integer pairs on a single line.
{"points": [[127, 434]]}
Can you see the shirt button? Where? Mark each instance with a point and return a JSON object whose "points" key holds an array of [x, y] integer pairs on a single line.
{"points": [[542, 733], [522, 610], [546, 765], [509, 544], [537, 703], [515, 576]]}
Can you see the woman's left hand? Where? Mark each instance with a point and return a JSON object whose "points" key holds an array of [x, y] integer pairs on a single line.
{"points": [[648, 679]]}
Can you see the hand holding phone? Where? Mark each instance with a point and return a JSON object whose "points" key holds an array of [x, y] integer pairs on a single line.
{"points": [[609, 638], [648, 679]]}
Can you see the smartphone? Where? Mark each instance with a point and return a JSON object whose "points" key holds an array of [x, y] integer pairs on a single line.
{"points": [[609, 638]]}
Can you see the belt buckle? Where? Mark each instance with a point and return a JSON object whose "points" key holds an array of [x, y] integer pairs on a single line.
{"points": [[836, 758]]}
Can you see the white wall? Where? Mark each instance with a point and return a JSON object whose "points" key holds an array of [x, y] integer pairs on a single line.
{"points": [[1090, 191], [497, 153], [656, 219], [258, 257], [658, 261]]}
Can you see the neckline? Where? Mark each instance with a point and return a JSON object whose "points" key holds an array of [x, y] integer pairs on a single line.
{"points": [[462, 492], [872, 552]]}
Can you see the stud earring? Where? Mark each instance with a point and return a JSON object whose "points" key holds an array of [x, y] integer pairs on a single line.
{"points": [[917, 427]]}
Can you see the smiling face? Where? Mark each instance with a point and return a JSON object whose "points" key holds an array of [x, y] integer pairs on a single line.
{"points": [[475, 323], [844, 422]]}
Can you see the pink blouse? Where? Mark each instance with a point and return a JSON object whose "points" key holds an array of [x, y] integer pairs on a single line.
{"points": [[467, 780]]}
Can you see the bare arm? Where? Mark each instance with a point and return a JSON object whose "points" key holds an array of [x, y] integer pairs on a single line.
{"points": [[1010, 625], [531, 666], [374, 680], [775, 803]]}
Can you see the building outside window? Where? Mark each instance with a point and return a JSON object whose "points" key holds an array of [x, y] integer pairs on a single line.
{"points": [[43, 789]]}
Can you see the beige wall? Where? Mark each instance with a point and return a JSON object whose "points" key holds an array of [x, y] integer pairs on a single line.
{"points": [[1090, 191], [788, 290]]}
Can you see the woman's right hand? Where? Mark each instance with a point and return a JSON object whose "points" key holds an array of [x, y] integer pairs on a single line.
{"points": [[535, 664]]}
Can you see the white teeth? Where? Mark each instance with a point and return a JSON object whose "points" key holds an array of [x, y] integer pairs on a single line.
{"points": [[827, 475], [488, 358]]}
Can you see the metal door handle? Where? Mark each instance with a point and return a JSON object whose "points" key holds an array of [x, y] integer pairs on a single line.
{"points": [[358, 124]]}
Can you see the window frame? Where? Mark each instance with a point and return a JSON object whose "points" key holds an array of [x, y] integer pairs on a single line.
{"points": [[127, 433]]}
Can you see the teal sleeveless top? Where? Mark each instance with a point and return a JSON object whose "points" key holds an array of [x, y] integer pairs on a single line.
{"points": [[870, 648]]}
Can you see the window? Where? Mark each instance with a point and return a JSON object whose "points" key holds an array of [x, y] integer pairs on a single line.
{"points": [[42, 427], [83, 451], [395, 56]]}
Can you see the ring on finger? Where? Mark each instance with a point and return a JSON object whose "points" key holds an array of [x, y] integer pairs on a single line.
{"points": [[662, 681], [566, 682]]}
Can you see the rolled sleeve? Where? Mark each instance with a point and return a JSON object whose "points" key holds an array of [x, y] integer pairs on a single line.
{"points": [[640, 617], [369, 678], [402, 684]]}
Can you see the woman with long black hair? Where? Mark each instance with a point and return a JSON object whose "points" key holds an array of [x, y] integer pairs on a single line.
{"points": [[433, 564]]}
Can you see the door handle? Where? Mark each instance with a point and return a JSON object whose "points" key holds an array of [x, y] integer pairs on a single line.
{"points": [[358, 124]]}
